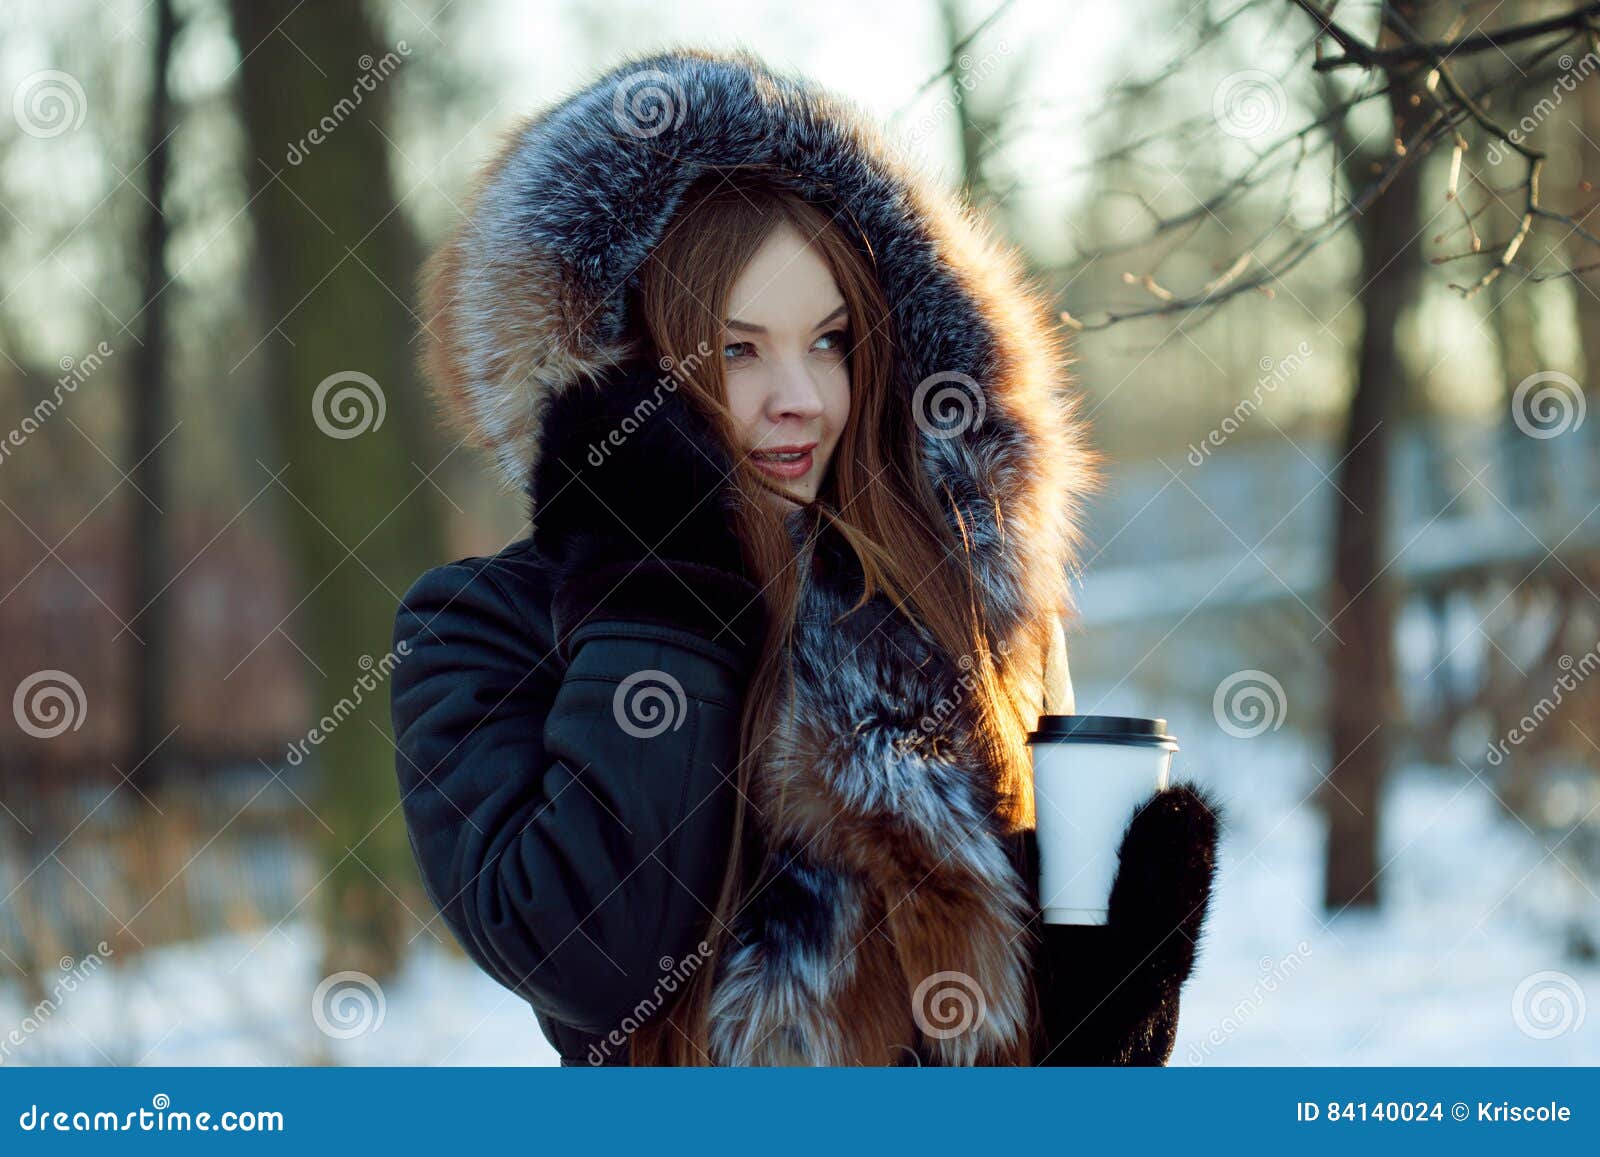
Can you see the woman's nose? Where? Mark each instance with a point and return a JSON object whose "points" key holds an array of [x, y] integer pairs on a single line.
{"points": [[794, 393]]}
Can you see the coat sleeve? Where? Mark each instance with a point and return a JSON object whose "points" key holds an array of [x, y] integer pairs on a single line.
{"points": [[571, 824]]}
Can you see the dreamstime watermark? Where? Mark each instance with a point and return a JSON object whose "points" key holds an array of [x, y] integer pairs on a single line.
{"points": [[1548, 404], [49, 703], [1276, 972], [75, 972], [1546, 707], [964, 684], [674, 975], [1274, 374], [648, 103], [674, 371], [347, 705], [1248, 703], [73, 374], [348, 1004], [947, 404], [155, 1119], [347, 404], [649, 702], [968, 74], [1249, 103], [373, 73], [948, 1004], [48, 103], [1548, 1004], [1573, 73]]}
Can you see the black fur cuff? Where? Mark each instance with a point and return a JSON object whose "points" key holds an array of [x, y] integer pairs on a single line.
{"points": [[1096, 1007], [1165, 870], [725, 608]]}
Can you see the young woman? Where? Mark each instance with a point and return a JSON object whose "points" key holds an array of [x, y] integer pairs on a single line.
{"points": [[727, 763]]}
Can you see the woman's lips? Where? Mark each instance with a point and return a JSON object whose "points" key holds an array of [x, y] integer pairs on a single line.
{"points": [[789, 470]]}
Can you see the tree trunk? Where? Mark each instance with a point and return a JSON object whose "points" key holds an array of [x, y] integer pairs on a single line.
{"points": [[1361, 660], [1588, 197], [970, 131], [150, 411], [358, 518]]}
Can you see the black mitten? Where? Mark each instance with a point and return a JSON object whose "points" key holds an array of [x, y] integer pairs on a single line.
{"points": [[634, 510], [1109, 993]]}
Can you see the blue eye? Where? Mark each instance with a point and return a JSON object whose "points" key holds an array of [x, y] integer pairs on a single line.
{"points": [[742, 346], [840, 336]]}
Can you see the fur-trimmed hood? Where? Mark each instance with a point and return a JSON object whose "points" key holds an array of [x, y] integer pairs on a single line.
{"points": [[527, 297]]}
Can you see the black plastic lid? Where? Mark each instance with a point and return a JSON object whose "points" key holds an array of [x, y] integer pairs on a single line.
{"points": [[1102, 729]]}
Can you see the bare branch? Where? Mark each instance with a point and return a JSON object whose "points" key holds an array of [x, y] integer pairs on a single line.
{"points": [[1360, 55]]}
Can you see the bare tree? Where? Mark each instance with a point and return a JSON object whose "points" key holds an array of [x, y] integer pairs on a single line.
{"points": [[150, 407], [1360, 655], [353, 483], [1442, 80]]}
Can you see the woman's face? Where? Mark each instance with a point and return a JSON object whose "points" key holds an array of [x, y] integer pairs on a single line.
{"points": [[786, 345]]}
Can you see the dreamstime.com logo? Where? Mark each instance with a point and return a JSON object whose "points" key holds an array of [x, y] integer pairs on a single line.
{"points": [[1275, 973], [673, 373], [373, 72], [347, 404], [74, 372], [648, 103], [1249, 104], [1548, 1004], [1273, 375], [967, 75], [948, 1004], [1573, 73], [49, 703], [947, 404], [74, 973], [674, 975], [1548, 404], [965, 682], [1248, 703], [160, 1117], [49, 103], [1573, 674], [376, 674], [348, 1004], [649, 702]]}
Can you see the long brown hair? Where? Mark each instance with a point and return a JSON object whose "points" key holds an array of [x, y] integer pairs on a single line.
{"points": [[876, 496]]}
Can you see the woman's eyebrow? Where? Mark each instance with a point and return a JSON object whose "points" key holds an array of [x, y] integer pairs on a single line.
{"points": [[735, 323]]}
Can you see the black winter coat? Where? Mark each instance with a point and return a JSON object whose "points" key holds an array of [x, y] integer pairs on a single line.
{"points": [[577, 878]]}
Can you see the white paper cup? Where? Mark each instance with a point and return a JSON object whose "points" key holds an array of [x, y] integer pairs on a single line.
{"points": [[1090, 775]]}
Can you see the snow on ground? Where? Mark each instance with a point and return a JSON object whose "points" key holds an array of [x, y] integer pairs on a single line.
{"points": [[245, 1000], [1462, 965], [1472, 909]]}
